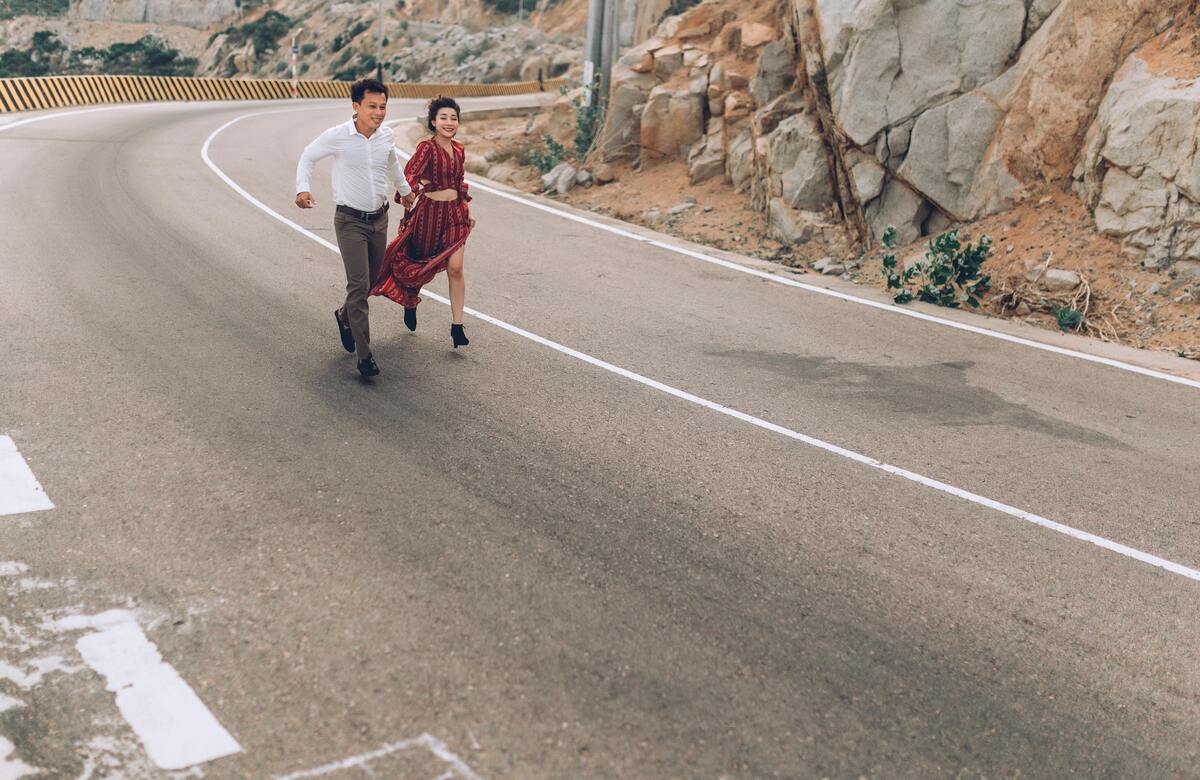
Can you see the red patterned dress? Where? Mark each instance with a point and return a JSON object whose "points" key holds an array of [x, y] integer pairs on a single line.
{"points": [[433, 230]]}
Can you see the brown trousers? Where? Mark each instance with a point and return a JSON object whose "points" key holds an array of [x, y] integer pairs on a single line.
{"points": [[362, 245]]}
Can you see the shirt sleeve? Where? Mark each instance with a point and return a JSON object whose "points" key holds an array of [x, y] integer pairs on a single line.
{"points": [[417, 164], [319, 149], [397, 174]]}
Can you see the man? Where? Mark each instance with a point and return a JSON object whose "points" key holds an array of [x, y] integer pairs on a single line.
{"points": [[366, 170]]}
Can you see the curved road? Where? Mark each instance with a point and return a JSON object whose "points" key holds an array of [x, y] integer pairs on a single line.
{"points": [[551, 568]]}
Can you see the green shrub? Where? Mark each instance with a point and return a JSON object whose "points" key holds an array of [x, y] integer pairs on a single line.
{"points": [[948, 276], [587, 122], [147, 56], [264, 32], [545, 161], [13, 8], [308, 48], [1069, 318]]}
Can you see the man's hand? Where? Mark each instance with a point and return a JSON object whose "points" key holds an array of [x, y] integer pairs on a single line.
{"points": [[305, 200], [408, 200]]}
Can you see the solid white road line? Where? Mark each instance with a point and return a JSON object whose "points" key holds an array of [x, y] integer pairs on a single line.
{"points": [[427, 741], [175, 727], [19, 489], [865, 460]]}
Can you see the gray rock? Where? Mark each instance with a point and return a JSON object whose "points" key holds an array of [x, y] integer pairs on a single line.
{"points": [[739, 161], [1059, 280], [797, 165], [947, 147], [868, 176], [829, 267], [671, 122], [793, 226], [1141, 169], [901, 208], [890, 61], [776, 71], [561, 178], [502, 173], [583, 178], [680, 208], [707, 159]]}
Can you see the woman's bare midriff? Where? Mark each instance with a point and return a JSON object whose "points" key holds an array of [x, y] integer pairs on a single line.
{"points": [[442, 195]]}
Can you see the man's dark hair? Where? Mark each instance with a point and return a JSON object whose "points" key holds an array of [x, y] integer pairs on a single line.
{"points": [[437, 104], [359, 89]]}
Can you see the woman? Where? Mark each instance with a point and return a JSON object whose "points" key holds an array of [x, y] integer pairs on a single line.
{"points": [[433, 235]]}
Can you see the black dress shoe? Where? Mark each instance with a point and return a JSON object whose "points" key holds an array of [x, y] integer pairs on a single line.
{"points": [[345, 332], [458, 337], [367, 367], [410, 317]]}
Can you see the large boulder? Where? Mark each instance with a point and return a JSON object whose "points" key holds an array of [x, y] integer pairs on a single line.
{"points": [[776, 71], [890, 60], [672, 121], [739, 159], [707, 160], [1141, 169], [797, 165], [900, 207]]}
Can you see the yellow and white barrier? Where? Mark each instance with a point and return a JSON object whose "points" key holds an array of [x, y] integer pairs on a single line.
{"points": [[31, 94]]}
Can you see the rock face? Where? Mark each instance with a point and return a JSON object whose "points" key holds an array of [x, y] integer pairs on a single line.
{"points": [[203, 13], [672, 120], [1141, 170], [890, 60], [922, 113]]}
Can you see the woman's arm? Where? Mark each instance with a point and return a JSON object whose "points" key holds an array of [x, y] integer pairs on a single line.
{"points": [[414, 170]]}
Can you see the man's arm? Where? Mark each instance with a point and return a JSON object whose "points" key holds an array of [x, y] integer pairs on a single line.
{"points": [[319, 149], [398, 180]]}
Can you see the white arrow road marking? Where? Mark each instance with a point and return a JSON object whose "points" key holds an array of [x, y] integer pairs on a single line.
{"points": [[19, 489], [175, 727]]}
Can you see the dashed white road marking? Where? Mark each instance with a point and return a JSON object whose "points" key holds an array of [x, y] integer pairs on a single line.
{"points": [[19, 489], [458, 767], [174, 726], [865, 460]]}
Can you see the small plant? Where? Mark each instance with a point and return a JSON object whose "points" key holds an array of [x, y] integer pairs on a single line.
{"points": [[308, 48], [1069, 318], [546, 161], [587, 122], [950, 275]]}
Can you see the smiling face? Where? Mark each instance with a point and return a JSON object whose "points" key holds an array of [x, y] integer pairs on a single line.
{"points": [[371, 112], [445, 122]]}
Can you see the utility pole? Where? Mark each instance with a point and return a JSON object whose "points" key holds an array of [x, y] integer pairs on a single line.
{"points": [[608, 46], [379, 41], [295, 72], [591, 62]]}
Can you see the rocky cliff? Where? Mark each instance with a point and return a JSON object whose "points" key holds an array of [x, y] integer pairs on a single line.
{"points": [[925, 113]]}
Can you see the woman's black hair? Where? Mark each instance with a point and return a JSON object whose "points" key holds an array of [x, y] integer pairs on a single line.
{"points": [[438, 103]]}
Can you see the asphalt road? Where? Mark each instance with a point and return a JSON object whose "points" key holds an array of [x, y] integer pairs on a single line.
{"points": [[552, 570]]}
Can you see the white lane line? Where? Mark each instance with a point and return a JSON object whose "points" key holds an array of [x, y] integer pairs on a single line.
{"points": [[427, 741], [175, 727], [19, 489], [966, 495]]}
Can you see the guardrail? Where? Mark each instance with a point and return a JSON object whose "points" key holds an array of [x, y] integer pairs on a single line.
{"points": [[31, 94]]}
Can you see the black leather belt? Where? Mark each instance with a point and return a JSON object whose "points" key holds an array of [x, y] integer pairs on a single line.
{"points": [[365, 216]]}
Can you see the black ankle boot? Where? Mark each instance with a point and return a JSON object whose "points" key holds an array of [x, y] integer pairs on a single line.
{"points": [[458, 337], [410, 317]]}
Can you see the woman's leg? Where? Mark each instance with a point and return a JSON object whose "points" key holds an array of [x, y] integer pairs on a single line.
{"points": [[458, 285]]}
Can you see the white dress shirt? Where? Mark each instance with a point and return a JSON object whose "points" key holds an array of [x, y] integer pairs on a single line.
{"points": [[365, 170]]}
